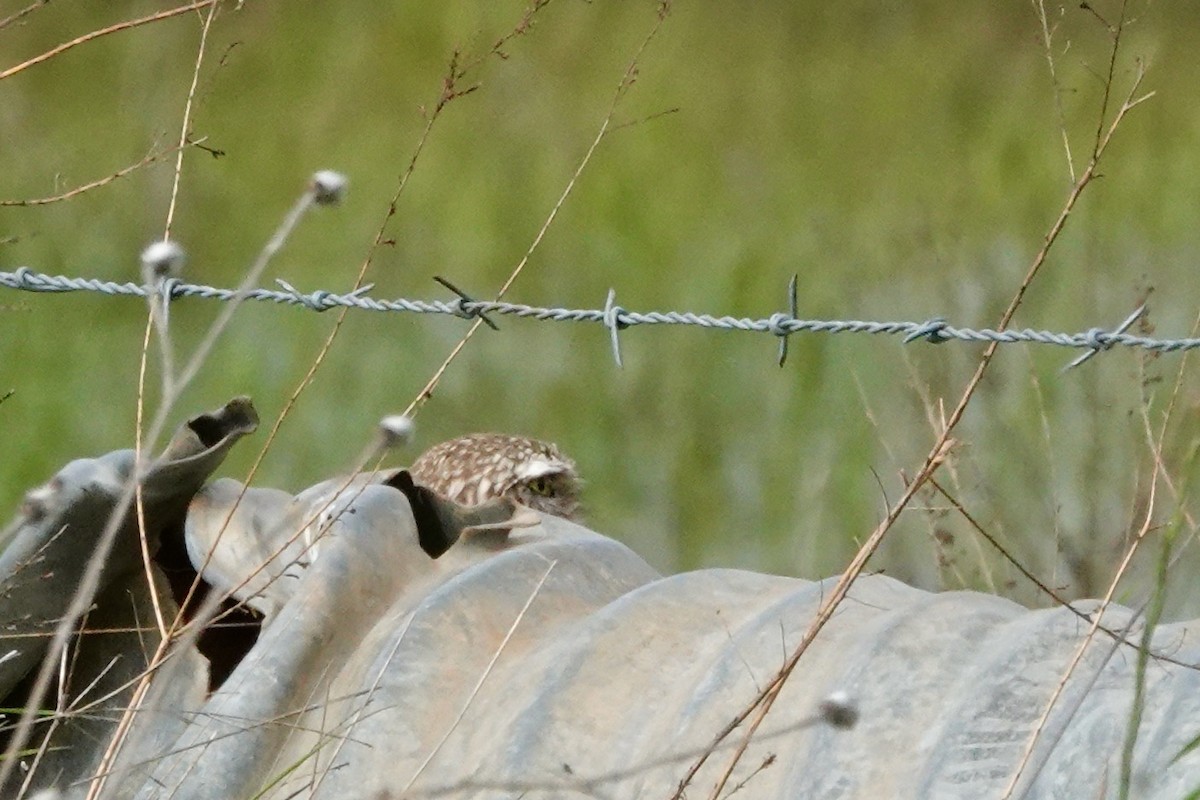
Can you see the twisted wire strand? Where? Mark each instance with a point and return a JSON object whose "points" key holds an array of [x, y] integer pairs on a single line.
{"points": [[614, 317]]}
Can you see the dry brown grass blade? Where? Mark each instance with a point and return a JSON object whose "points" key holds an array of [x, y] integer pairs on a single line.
{"points": [[150, 158], [451, 90], [483, 676], [176, 629], [1159, 475], [1077, 657], [17, 16], [1047, 35], [123, 726], [96, 34], [186, 125], [761, 705], [89, 582], [626, 82]]}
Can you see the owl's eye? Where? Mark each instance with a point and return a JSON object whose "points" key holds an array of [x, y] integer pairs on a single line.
{"points": [[540, 486]]}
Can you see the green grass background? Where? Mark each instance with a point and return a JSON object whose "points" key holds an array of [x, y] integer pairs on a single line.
{"points": [[905, 161]]}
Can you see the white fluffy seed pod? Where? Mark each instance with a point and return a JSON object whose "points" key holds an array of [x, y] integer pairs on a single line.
{"points": [[396, 430], [38, 502], [328, 187], [162, 260]]}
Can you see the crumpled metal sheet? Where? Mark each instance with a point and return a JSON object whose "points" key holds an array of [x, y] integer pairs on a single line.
{"points": [[551, 662], [45, 552]]}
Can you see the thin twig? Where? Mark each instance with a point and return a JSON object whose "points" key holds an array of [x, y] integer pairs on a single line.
{"points": [[1048, 48], [1059, 600], [24, 12], [150, 158], [626, 81], [187, 117], [156, 319], [483, 676], [89, 582], [1097, 616], [87, 37], [757, 710], [766, 762], [1116, 32]]}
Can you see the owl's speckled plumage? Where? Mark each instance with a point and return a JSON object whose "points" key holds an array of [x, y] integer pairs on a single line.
{"points": [[475, 468]]}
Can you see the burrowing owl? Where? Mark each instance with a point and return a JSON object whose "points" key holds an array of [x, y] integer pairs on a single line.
{"points": [[475, 468]]}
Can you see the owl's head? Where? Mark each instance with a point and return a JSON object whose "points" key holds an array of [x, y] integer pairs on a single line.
{"points": [[475, 468], [548, 484]]}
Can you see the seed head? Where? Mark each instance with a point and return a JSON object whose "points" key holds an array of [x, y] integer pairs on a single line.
{"points": [[162, 260], [397, 430], [328, 187], [839, 710]]}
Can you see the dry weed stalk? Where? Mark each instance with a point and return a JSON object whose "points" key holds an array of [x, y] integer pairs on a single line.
{"points": [[17, 16], [483, 676], [452, 90], [149, 159], [623, 87], [756, 711], [1160, 474], [89, 582], [96, 34]]}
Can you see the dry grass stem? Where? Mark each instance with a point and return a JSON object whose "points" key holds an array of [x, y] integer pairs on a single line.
{"points": [[1047, 33], [89, 581], [626, 82], [20, 15], [758, 708], [96, 34], [158, 317], [483, 676], [150, 158], [187, 118], [1097, 616]]}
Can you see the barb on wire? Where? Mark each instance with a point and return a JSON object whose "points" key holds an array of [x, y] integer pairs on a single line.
{"points": [[931, 331], [777, 320], [468, 308], [612, 320], [1102, 339], [612, 316]]}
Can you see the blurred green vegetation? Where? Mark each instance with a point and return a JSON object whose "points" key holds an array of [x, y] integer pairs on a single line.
{"points": [[905, 161]]}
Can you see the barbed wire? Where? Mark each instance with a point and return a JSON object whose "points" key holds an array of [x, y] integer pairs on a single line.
{"points": [[612, 316]]}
